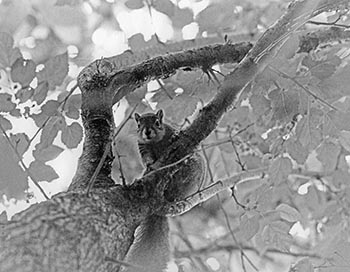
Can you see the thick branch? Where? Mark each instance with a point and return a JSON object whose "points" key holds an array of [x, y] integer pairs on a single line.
{"points": [[71, 232], [256, 60], [122, 82], [182, 206]]}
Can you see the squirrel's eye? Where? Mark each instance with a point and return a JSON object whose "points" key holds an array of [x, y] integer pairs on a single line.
{"points": [[157, 123]]}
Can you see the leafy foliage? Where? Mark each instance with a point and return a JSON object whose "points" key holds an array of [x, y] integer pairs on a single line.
{"points": [[24, 89], [293, 118]]}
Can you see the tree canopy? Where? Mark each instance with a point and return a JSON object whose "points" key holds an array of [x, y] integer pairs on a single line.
{"points": [[259, 88]]}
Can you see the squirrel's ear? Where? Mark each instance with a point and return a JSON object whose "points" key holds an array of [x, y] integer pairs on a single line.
{"points": [[160, 114], [137, 117]]}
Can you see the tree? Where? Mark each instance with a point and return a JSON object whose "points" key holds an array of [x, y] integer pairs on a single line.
{"points": [[280, 122]]}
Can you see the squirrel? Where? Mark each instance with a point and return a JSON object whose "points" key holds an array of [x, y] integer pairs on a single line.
{"points": [[150, 250]]}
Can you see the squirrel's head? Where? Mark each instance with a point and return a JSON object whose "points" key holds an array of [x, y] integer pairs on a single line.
{"points": [[150, 127]]}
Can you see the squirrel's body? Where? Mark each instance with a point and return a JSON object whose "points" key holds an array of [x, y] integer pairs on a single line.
{"points": [[154, 137], [150, 250]]}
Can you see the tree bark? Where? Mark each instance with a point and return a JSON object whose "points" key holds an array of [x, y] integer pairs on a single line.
{"points": [[71, 232]]}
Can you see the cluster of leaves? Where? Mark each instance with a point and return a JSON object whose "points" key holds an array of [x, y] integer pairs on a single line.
{"points": [[24, 95], [294, 118]]}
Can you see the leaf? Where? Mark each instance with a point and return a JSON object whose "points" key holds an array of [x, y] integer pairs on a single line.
{"points": [[67, 2], [42, 172], [344, 139], [73, 106], [5, 124], [337, 85], [55, 71], [340, 178], [279, 169], [193, 84], [340, 120], [72, 135], [134, 4], [50, 130], [313, 200], [135, 97], [333, 213], [307, 131], [296, 151], [179, 107], [138, 43], [48, 153], [265, 195], [21, 142], [6, 105], [13, 180], [214, 15], [276, 235], [260, 104], [8, 54], [339, 254], [164, 6], [303, 265], [287, 53], [328, 154], [40, 92], [39, 119], [15, 113], [179, 17], [249, 227], [23, 71], [285, 104], [50, 108], [238, 116], [322, 69], [23, 95], [288, 213], [3, 217]]}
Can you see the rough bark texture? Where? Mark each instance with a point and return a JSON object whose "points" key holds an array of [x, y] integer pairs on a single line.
{"points": [[71, 232]]}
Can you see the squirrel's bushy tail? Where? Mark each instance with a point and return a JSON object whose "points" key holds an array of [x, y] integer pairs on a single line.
{"points": [[150, 250]]}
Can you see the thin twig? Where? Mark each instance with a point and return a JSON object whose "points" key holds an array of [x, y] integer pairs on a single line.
{"points": [[238, 160], [234, 237], [125, 121], [211, 248], [120, 167], [125, 264], [334, 23], [49, 117], [227, 140], [302, 87], [208, 167], [26, 169], [63, 103], [164, 89], [98, 168], [166, 166], [181, 234]]}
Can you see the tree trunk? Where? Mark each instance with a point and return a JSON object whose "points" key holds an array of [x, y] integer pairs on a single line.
{"points": [[71, 232]]}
